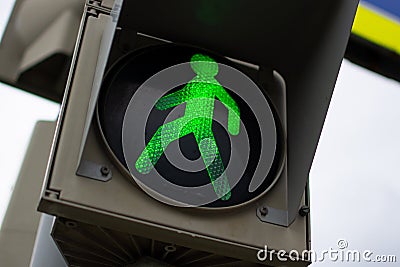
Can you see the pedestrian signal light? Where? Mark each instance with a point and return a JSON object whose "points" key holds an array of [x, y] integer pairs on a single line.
{"points": [[187, 130]]}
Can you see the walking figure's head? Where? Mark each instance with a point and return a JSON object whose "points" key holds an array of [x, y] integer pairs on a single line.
{"points": [[204, 65]]}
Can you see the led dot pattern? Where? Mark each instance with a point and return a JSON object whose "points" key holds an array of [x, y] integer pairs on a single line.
{"points": [[199, 95]]}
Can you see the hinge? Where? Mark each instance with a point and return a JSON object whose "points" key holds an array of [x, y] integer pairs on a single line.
{"points": [[94, 2], [95, 7], [52, 194]]}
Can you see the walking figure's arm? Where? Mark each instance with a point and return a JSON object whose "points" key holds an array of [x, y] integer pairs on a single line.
{"points": [[173, 99], [233, 110]]}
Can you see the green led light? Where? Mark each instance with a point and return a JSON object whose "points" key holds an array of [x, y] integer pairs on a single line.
{"points": [[199, 95]]}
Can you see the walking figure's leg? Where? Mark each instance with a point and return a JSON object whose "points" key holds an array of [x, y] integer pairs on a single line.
{"points": [[164, 135], [215, 167]]}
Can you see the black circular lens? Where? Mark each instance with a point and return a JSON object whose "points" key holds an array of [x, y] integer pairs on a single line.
{"points": [[122, 82]]}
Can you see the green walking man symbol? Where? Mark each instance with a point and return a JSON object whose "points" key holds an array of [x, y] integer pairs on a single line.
{"points": [[199, 95]]}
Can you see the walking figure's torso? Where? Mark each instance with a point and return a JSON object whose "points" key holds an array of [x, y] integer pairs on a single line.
{"points": [[201, 102]]}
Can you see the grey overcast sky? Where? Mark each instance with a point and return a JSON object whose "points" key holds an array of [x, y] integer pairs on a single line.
{"points": [[355, 185], [354, 179]]}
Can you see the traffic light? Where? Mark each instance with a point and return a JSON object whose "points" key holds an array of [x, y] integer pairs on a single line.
{"points": [[187, 130], [21, 221], [37, 45]]}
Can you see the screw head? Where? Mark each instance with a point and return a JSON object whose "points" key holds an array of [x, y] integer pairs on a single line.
{"points": [[105, 170], [263, 211], [170, 248], [71, 224], [304, 211]]}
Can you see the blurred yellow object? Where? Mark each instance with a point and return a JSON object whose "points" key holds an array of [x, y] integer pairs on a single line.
{"points": [[377, 28]]}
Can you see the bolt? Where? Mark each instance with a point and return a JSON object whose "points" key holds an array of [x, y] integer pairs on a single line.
{"points": [[304, 211], [170, 248], [71, 224], [105, 171], [263, 211]]}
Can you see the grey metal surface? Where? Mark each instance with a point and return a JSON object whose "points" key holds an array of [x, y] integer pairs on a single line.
{"points": [[95, 246], [148, 262], [18, 232], [45, 252], [272, 215], [104, 50]]}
